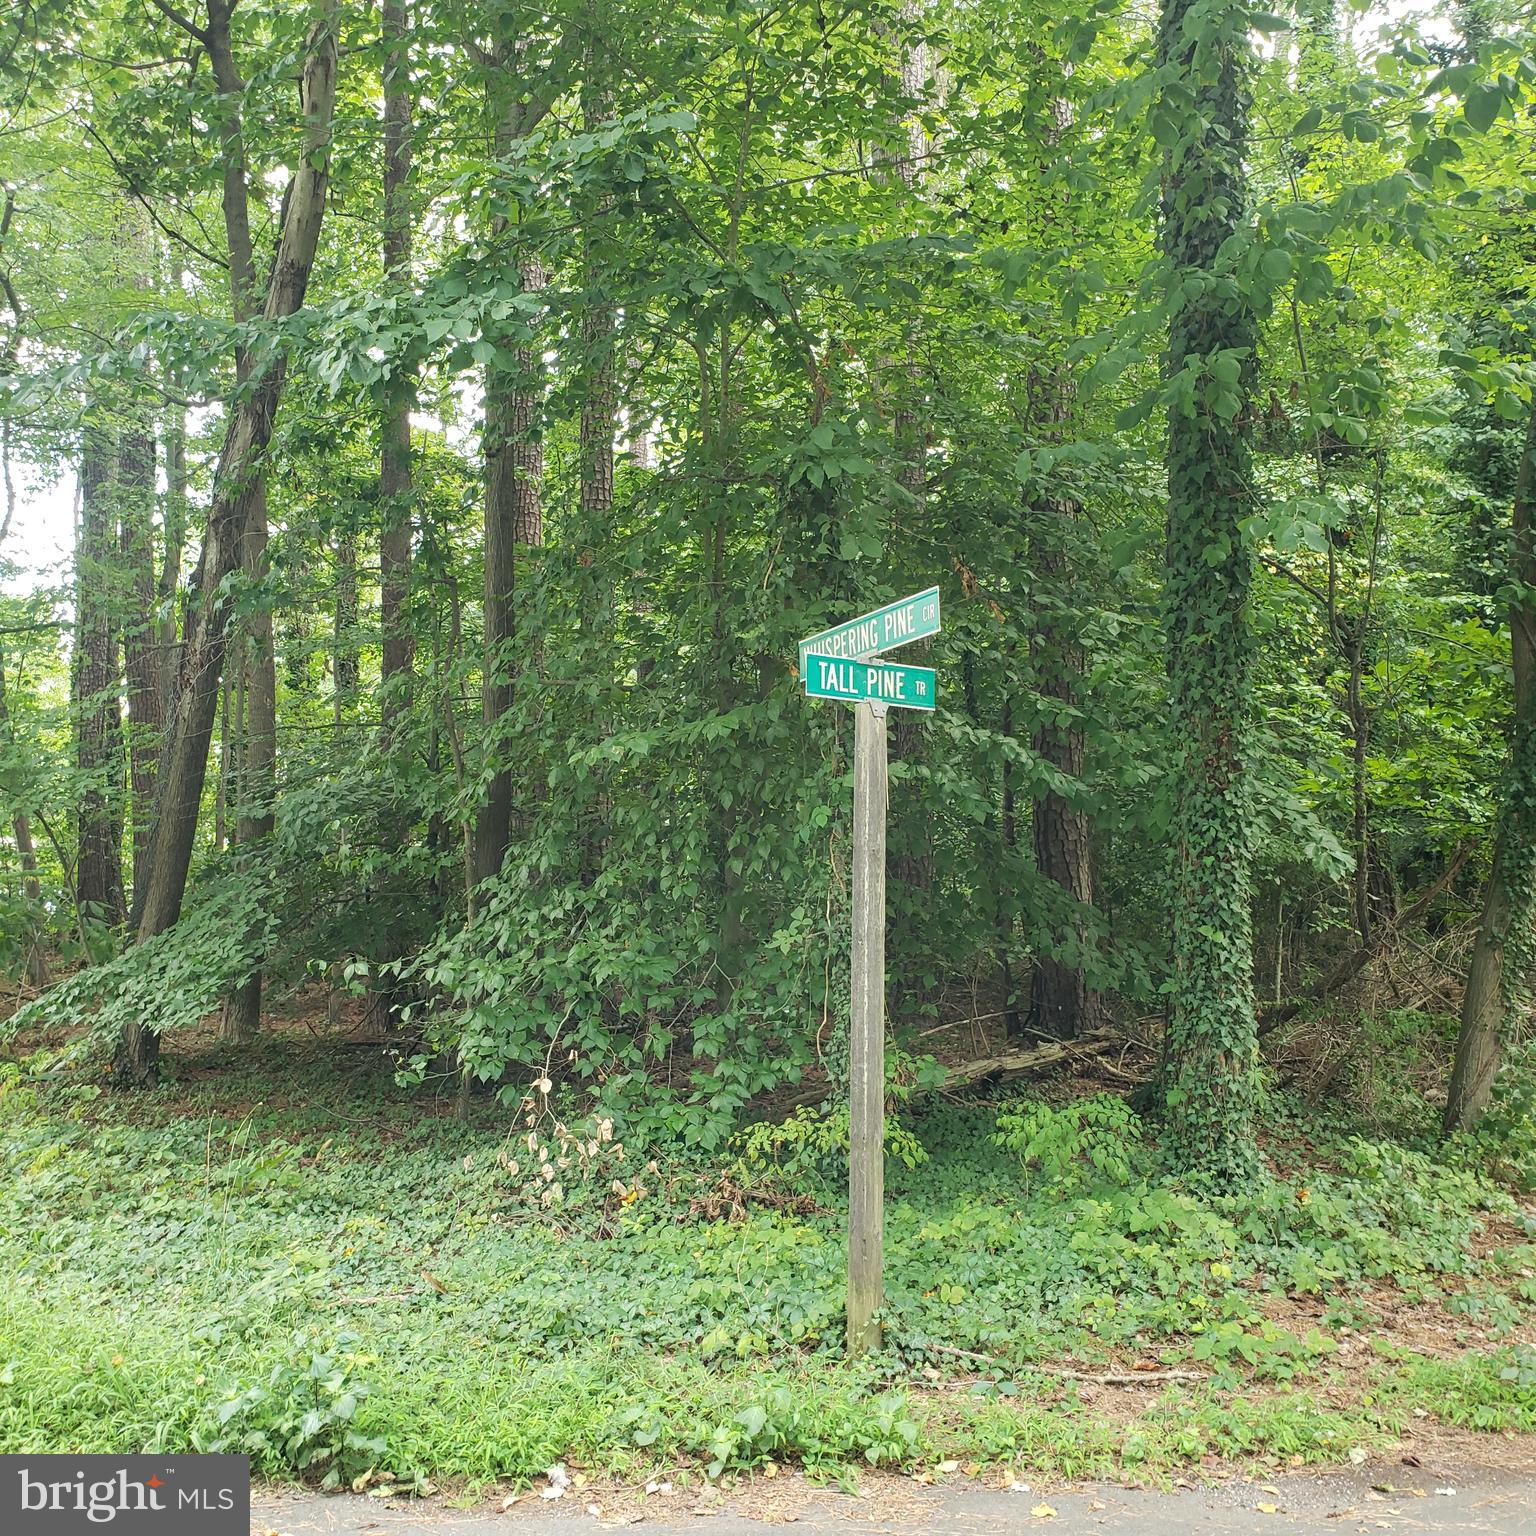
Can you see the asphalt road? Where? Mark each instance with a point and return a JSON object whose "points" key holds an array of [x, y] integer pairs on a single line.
{"points": [[1336, 1503]]}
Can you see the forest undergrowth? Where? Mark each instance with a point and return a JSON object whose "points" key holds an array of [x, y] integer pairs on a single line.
{"points": [[336, 1276]]}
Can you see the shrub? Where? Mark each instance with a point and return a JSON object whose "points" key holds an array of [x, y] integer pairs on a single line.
{"points": [[1096, 1141]]}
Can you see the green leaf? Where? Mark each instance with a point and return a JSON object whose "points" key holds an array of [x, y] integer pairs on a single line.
{"points": [[1483, 105]]}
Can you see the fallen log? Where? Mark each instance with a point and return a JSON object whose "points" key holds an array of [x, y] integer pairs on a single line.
{"points": [[964, 1074], [1012, 1064]]}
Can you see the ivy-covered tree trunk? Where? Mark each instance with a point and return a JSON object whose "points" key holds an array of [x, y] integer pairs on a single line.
{"points": [[237, 485], [1498, 975], [95, 682], [1202, 119]]}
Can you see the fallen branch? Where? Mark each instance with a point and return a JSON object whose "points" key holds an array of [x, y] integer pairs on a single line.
{"points": [[964, 1354], [1122, 1378], [1351, 965], [1066, 1373]]}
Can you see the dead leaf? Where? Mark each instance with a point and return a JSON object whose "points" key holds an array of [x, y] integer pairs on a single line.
{"points": [[1268, 1509], [1043, 1512]]}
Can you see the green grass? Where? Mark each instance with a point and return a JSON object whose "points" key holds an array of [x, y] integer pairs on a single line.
{"points": [[334, 1279]]}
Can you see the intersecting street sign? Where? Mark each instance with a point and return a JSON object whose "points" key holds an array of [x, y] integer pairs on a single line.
{"points": [[827, 677], [898, 623], [840, 663]]}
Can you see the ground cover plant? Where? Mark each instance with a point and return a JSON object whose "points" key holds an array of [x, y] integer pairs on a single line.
{"points": [[345, 1290]]}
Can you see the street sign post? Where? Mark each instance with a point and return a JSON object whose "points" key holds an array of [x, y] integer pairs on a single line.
{"points": [[836, 664]]}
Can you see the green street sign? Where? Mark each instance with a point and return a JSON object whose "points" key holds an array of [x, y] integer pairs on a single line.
{"points": [[911, 618], [831, 677]]}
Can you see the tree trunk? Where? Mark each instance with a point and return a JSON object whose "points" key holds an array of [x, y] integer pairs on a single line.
{"points": [[38, 974], [257, 752], [514, 470], [146, 719], [21, 830], [395, 484], [597, 324], [344, 662], [97, 679], [395, 480], [597, 410], [1498, 976], [237, 486], [1208, 1087], [21, 822], [241, 1017], [173, 541], [1062, 1004]]}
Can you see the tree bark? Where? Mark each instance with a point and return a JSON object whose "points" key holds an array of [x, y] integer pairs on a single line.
{"points": [[344, 660], [96, 679], [257, 735], [237, 486], [395, 480], [21, 830], [1497, 991], [173, 544], [258, 757], [395, 477], [1062, 1004], [597, 324], [514, 470], [135, 486]]}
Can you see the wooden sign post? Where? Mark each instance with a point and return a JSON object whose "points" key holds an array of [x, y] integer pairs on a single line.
{"points": [[866, 1034], [872, 688]]}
